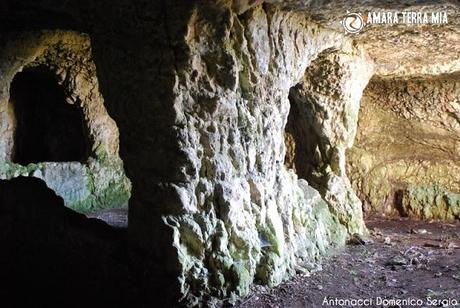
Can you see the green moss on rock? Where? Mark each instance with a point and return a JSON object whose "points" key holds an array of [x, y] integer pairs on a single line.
{"points": [[431, 202], [84, 187]]}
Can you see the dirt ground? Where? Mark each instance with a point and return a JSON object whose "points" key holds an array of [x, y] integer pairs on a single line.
{"points": [[54, 257], [415, 262]]}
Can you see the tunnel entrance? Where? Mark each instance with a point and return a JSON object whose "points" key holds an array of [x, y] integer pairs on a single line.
{"points": [[48, 128]]}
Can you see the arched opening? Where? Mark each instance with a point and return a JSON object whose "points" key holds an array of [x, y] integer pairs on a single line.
{"points": [[55, 126], [48, 127]]}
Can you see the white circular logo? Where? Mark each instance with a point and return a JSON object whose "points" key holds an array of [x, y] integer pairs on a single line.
{"points": [[353, 22]]}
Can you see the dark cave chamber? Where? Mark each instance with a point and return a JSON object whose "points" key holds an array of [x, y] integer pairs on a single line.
{"points": [[302, 142], [48, 128]]}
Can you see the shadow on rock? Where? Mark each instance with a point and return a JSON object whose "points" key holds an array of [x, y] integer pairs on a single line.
{"points": [[53, 255]]}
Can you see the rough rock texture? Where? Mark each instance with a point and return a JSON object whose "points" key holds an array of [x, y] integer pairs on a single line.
{"points": [[430, 202], [200, 95], [98, 182], [326, 105], [397, 49], [405, 158], [243, 217]]}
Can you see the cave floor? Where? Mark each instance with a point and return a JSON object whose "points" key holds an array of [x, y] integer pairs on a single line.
{"points": [[117, 218], [404, 259]]}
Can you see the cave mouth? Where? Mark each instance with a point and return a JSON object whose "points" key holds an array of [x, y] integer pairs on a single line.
{"points": [[48, 127]]}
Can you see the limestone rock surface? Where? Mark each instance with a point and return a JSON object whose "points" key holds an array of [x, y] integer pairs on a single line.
{"points": [[405, 158], [241, 216], [99, 182]]}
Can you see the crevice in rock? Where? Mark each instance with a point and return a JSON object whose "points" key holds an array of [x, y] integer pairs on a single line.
{"points": [[302, 143]]}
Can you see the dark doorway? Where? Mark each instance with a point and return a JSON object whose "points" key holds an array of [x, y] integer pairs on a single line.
{"points": [[49, 129], [301, 140]]}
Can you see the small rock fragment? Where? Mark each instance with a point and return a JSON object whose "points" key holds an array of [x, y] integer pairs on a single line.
{"points": [[418, 231], [376, 232], [387, 241], [357, 239], [397, 260]]}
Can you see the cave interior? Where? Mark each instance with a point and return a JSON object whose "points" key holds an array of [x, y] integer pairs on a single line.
{"points": [[203, 153]]}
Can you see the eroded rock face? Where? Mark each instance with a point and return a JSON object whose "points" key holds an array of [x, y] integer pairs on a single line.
{"points": [[242, 216], [405, 158], [325, 106], [397, 49], [98, 181], [200, 92]]}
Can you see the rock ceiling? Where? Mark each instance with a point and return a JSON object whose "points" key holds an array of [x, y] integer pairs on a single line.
{"points": [[397, 49]]}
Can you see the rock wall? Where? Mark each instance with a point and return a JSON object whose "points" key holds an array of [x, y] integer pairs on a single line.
{"points": [[405, 158], [100, 181], [200, 96], [326, 105], [243, 217]]}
